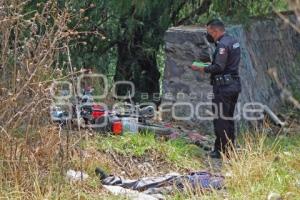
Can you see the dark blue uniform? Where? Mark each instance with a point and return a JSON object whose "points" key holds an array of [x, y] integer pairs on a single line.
{"points": [[225, 63]]}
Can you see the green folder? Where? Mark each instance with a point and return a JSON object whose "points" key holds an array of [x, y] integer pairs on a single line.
{"points": [[200, 64]]}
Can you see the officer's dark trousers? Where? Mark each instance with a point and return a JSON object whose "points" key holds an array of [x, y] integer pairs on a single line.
{"points": [[224, 128]]}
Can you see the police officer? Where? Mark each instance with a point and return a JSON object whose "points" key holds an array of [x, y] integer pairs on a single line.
{"points": [[226, 84]]}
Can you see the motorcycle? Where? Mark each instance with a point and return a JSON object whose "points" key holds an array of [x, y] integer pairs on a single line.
{"points": [[124, 118]]}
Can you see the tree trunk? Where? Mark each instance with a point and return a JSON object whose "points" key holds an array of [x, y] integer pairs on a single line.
{"points": [[139, 66]]}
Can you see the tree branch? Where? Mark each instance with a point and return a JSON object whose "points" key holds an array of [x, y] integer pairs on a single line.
{"points": [[176, 12], [199, 11]]}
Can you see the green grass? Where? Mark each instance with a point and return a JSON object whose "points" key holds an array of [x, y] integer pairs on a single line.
{"points": [[263, 165], [177, 152], [266, 165]]}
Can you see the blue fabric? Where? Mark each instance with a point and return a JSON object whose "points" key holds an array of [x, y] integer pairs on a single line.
{"points": [[203, 180], [206, 180]]}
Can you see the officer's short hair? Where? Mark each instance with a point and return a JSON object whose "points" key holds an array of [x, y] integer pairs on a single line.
{"points": [[216, 23]]}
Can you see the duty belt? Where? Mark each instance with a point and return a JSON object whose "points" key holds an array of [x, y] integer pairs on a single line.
{"points": [[225, 79]]}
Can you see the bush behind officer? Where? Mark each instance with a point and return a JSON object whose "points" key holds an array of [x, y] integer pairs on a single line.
{"points": [[226, 84]]}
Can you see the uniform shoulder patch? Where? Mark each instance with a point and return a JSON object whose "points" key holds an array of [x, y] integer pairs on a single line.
{"points": [[236, 45], [222, 51]]}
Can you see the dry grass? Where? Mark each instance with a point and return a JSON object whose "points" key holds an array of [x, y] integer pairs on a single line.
{"points": [[263, 165], [34, 155], [37, 170]]}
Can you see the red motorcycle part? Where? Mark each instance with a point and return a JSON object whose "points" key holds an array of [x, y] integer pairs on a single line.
{"points": [[97, 111], [117, 127]]}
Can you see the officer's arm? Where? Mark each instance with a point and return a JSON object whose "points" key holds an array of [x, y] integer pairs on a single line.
{"points": [[220, 60]]}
